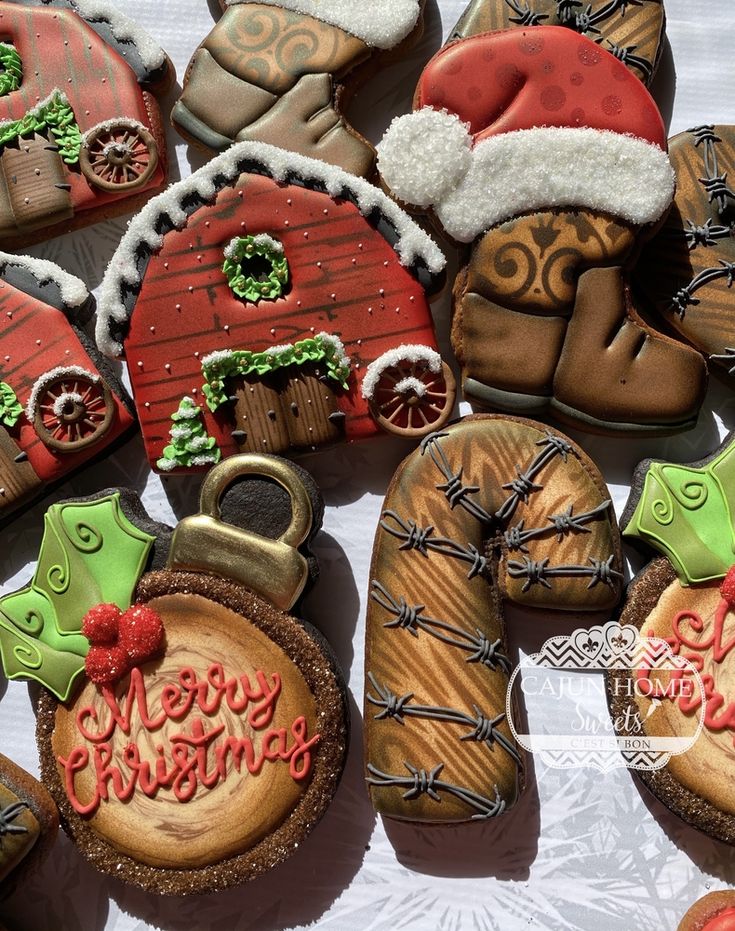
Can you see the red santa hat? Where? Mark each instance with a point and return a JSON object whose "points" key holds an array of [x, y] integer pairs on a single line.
{"points": [[511, 122]]}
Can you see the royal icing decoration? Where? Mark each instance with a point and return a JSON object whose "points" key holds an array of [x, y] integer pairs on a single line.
{"points": [[204, 756]]}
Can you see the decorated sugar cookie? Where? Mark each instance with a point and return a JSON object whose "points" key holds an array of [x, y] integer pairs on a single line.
{"points": [[283, 72], [687, 598], [632, 30], [544, 152], [269, 303], [29, 822], [489, 511], [80, 129], [713, 912], [174, 696], [61, 405], [688, 268]]}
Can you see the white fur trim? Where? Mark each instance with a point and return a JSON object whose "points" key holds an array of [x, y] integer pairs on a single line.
{"points": [[423, 155], [401, 354], [73, 291], [412, 243], [379, 23], [538, 169]]}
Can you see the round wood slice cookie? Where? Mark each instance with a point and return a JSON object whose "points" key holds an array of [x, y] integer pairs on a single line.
{"points": [[700, 626], [713, 912], [208, 765]]}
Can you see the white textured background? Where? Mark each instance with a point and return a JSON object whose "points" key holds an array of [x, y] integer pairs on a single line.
{"points": [[580, 851]]}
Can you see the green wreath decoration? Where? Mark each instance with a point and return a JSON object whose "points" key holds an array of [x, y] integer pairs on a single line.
{"points": [[257, 283], [11, 69]]}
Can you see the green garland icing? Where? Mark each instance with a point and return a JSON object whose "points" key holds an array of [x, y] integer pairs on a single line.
{"points": [[11, 69], [687, 514], [54, 115], [90, 553], [190, 444], [239, 363], [10, 409], [246, 286]]}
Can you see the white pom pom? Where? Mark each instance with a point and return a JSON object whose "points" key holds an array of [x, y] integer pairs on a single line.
{"points": [[424, 155]]}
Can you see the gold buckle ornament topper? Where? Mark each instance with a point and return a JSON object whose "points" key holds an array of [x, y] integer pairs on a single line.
{"points": [[273, 569]]}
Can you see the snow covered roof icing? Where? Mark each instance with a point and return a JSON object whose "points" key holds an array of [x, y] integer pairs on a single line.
{"points": [[133, 43], [44, 280], [171, 210]]}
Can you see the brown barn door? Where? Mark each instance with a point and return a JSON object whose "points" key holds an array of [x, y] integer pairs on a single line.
{"points": [[35, 185], [17, 479]]}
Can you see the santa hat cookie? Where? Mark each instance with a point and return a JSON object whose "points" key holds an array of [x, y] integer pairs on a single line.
{"points": [[557, 122]]}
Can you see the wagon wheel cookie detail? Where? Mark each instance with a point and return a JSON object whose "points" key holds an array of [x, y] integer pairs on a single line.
{"points": [[174, 695], [488, 511], [713, 912], [411, 392], [686, 597], [71, 409], [118, 156]]}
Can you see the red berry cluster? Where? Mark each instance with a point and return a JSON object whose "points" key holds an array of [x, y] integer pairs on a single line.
{"points": [[727, 589], [120, 640]]}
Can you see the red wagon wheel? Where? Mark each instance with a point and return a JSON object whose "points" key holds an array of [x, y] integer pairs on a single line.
{"points": [[118, 156], [73, 411], [411, 400]]}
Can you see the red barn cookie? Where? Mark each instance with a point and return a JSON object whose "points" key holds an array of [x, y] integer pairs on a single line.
{"points": [[687, 598], [541, 149], [632, 31], [271, 302], [283, 71], [491, 510], [80, 130], [61, 406], [687, 269], [177, 695]]}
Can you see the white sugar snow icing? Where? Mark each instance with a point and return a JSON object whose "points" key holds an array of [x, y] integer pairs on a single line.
{"points": [[411, 385], [531, 169], [401, 354], [66, 397], [423, 155], [412, 243], [379, 23], [66, 371], [264, 241], [123, 29], [73, 291]]}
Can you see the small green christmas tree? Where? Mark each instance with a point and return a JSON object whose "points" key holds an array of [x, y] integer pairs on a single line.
{"points": [[190, 444]]}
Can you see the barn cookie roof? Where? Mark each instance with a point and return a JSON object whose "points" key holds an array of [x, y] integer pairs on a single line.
{"points": [[171, 210], [133, 43], [43, 280]]}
